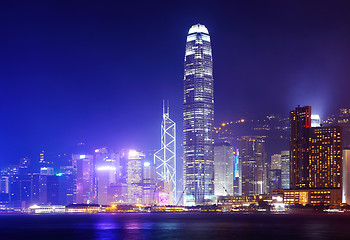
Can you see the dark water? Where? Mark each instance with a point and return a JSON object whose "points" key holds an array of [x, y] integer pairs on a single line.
{"points": [[175, 226]]}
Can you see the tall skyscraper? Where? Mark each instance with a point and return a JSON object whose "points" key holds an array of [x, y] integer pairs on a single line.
{"points": [[198, 117], [106, 176], [252, 160], [285, 169], [300, 122], [325, 157], [165, 158], [134, 171], [237, 173], [275, 173], [316, 152], [316, 161], [85, 178], [149, 183], [223, 168]]}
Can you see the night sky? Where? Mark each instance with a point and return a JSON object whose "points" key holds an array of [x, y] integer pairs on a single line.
{"points": [[97, 72]]}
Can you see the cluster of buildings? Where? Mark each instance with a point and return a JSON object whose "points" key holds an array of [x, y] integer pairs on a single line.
{"points": [[298, 160], [308, 165], [314, 171], [104, 177]]}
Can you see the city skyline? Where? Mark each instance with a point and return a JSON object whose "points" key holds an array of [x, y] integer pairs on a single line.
{"points": [[74, 81], [175, 119]]}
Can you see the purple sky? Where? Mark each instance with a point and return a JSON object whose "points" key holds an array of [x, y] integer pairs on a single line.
{"points": [[98, 72]]}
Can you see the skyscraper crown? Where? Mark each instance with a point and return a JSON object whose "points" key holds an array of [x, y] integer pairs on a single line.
{"points": [[198, 28]]}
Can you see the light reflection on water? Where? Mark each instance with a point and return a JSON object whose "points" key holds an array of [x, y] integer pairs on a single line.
{"points": [[174, 226], [111, 227]]}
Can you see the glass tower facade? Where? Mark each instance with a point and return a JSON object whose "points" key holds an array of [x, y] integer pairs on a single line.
{"points": [[198, 117]]}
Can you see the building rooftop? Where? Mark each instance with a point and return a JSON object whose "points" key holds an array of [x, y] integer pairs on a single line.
{"points": [[198, 28]]}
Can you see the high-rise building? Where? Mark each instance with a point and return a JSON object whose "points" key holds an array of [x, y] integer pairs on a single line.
{"points": [[300, 122], [223, 169], [237, 173], [4, 189], [107, 166], [85, 178], [275, 173], [198, 117], [106, 176], [325, 157], [344, 122], [252, 160], [39, 188], [275, 161], [165, 158], [316, 153], [346, 177], [134, 173], [274, 180], [285, 169], [68, 184], [20, 189], [149, 183]]}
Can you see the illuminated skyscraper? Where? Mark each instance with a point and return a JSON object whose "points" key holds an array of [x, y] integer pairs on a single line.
{"points": [[316, 153], [106, 176], [223, 166], [198, 117], [149, 183], [237, 175], [165, 158], [275, 173], [285, 169], [85, 178], [325, 157], [134, 174], [252, 160], [300, 122]]}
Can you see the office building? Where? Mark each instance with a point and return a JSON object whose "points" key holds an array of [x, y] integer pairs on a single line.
{"points": [[198, 117], [285, 170], [325, 158], [165, 158], [275, 182], [300, 122], [223, 169], [106, 176], [134, 173], [86, 188], [149, 183], [344, 122], [68, 184], [275, 161], [316, 155], [252, 159], [316, 152], [237, 173]]}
